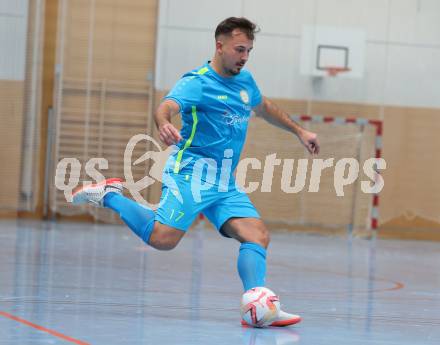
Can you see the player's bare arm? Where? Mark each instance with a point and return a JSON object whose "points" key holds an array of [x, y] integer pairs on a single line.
{"points": [[269, 111], [167, 132]]}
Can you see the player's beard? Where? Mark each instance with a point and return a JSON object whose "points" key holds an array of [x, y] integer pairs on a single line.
{"points": [[236, 70]]}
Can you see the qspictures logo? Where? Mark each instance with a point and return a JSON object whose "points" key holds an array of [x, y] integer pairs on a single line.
{"points": [[206, 173]]}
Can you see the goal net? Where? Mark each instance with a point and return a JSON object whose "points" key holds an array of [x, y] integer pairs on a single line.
{"points": [[319, 203]]}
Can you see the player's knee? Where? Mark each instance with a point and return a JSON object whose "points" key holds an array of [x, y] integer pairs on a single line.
{"points": [[164, 239], [261, 236], [161, 242], [264, 237]]}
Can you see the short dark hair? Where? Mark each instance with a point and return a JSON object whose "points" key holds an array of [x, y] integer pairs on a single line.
{"points": [[230, 24]]}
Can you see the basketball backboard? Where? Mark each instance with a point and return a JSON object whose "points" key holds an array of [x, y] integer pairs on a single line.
{"points": [[330, 51]]}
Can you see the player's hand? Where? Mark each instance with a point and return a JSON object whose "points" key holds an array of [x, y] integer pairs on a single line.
{"points": [[169, 134], [310, 141]]}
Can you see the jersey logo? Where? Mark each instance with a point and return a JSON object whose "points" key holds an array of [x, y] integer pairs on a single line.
{"points": [[222, 97], [234, 119], [244, 96]]}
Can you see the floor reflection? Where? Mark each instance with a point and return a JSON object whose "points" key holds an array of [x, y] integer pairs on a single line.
{"points": [[270, 336]]}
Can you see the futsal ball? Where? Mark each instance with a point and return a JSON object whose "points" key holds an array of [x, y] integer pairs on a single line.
{"points": [[259, 307]]}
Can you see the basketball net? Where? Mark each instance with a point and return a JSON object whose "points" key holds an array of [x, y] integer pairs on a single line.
{"points": [[334, 71]]}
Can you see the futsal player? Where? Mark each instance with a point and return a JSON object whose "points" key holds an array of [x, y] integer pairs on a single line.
{"points": [[215, 101]]}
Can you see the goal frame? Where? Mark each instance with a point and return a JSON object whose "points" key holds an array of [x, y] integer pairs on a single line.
{"points": [[378, 128]]}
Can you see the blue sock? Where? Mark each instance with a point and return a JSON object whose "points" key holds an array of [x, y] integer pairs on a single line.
{"points": [[139, 218], [252, 265]]}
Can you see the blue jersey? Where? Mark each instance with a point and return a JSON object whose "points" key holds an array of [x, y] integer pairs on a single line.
{"points": [[215, 113]]}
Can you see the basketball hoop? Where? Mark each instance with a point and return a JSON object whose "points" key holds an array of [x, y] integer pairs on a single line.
{"points": [[334, 71]]}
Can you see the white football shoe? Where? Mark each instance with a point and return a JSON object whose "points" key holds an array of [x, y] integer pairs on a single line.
{"points": [[284, 319], [94, 193]]}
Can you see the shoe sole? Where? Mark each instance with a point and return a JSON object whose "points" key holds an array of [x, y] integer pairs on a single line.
{"points": [[105, 182], [285, 323], [282, 323]]}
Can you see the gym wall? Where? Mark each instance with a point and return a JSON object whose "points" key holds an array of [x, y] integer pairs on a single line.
{"points": [[399, 84], [21, 37]]}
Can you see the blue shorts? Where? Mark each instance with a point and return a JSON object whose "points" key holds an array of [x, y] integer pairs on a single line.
{"points": [[182, 201]]}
